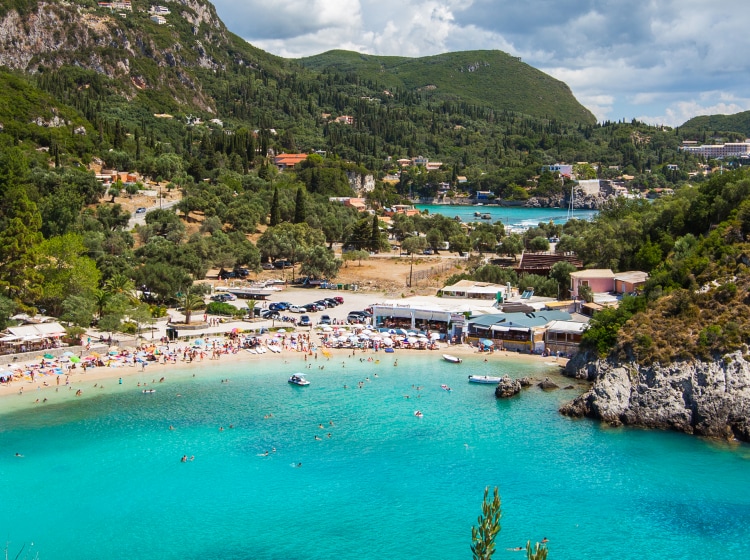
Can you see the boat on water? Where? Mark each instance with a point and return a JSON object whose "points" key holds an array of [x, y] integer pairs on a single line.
{"points": [[452, 359], [486, 379], [149, 391], [298, 379], [444, 387]]}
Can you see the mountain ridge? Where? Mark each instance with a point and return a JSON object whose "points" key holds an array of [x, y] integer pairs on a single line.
{"points": [[480, 77]]}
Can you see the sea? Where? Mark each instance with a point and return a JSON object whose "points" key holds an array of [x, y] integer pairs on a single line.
{"points": [[344, 469], [513, 217]]}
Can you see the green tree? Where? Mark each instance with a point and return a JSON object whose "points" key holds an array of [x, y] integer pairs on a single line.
{"points": [[20, 224], [7, 308], [460, 243], [560, 272], [299, 207], [275, 218], [191, 301], [65, 270], [320, 262], [488, 526], [356, 255]]}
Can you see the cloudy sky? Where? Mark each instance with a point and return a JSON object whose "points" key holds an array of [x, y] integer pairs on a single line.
{"points": [[660, 61]]}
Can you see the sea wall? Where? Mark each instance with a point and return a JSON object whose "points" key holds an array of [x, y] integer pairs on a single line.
{"points": [[707, 399]]}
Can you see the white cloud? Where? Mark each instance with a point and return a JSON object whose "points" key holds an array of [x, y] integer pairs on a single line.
{"points": [[620, 59]]}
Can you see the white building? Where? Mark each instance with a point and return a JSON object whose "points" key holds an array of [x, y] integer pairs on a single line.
{"points": [[719, 151]]}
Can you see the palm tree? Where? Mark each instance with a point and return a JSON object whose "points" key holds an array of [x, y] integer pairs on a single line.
{"points": [[121, 284], [190, 301], [101, 300], [251, 306]]}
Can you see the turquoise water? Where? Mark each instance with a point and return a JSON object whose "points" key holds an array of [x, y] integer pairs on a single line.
{"points": [[510, 216], [102, 477]]}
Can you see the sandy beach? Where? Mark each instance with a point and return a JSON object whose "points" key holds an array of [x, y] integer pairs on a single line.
{"points": [[50, 388]]}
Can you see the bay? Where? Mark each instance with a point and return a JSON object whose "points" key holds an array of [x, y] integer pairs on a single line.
{"points": [[102, 477], [511, 216]]}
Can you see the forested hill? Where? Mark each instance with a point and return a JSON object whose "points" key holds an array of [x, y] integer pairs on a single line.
{"points": [[491, 78], [738, 123]]}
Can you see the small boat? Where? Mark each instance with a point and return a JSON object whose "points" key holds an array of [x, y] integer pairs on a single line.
{"points": [[418, 414], [298, 379], [486, 379], [149, 391], [452, 359], [444, 387]]}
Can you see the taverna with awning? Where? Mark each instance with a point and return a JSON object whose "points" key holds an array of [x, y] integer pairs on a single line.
{"points": [[31, 337], [524, 332]]}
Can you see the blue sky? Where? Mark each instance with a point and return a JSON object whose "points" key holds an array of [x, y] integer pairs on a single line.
{"points": [[660, 61]]}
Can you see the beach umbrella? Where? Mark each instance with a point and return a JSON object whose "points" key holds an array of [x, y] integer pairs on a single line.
{"points": [[343, 338], [411, 339], [434, 336], [75, 359], [388, 342], [49, 357], [68, 353], [486, 342], [327, 329], [281, 331]]}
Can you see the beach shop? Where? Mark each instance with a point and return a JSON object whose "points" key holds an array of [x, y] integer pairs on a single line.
{"points": [[420, 318]]}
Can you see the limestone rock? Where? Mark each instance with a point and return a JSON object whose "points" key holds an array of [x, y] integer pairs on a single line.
{"points": [[708, 399], [507, 387], [548, 385]]}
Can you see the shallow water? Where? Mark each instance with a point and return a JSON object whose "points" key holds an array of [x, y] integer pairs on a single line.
{"points": [[512, 216], [102, 477]]}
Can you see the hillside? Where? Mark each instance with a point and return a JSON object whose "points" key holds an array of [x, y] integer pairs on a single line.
{"points": [[738, 123], [484, 78]]}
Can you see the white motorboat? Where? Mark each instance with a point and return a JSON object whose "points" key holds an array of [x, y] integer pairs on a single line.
{"points": [[298, 379], [486, 379], [452, 359]]}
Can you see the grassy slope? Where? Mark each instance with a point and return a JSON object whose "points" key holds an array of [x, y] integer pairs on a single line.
{"points": [[485, 78]]}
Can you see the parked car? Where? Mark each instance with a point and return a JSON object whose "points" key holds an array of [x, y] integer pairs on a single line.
{"points": [[325, 303], [270, 314], [304, 321], [283, 264], [223, 297], [241, 272], [313, 307], [355, 317], [331, 301], [140, 210], [296, 309], [267, 266], [429, 252], [324, 320]]}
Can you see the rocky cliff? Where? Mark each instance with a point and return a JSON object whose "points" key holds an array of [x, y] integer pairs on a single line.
{"points": [[708, 399]]}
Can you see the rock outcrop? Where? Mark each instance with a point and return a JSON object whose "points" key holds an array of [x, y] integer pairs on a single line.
{"points": [[707, 399], [507, 388]]}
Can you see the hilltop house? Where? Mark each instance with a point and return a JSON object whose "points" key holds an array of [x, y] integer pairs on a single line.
{"points": [[284, 161]]}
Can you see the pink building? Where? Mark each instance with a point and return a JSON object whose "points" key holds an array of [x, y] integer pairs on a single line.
{"points": [[600, 280]]}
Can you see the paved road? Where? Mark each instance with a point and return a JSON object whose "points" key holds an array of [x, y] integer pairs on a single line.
{"points": [[140, 219]]}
